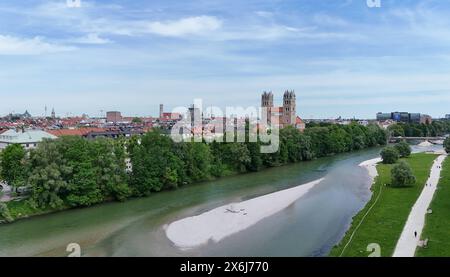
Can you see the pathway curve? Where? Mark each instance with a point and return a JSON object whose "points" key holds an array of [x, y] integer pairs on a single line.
{"points": [[410, 237]]}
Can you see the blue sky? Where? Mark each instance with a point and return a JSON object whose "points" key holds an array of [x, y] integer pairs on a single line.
{"points": [[341, 57]]}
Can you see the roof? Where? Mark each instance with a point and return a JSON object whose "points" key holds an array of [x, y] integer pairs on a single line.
{"points": [[171, 115], [75, 132], [298, 120], [28, 136]]}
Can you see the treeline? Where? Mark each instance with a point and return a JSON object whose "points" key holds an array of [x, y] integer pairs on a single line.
{"points": [[73, 172], [436, 128]]}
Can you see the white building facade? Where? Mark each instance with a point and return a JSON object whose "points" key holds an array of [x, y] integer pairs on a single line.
{"points": [[29, 139]]}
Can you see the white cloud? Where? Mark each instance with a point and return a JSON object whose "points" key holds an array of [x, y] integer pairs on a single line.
{"points": [[186, 26], [91, 39], [264, 14], [424, 22], [328, 20], [10, 45]]}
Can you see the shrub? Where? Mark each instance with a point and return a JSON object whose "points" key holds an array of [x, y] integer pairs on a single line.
{"points": [[4, 212], [402, 175], [390, 155], [404, 149], [447, 145]]}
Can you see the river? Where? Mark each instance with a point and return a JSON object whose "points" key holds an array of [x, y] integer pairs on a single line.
{"points": [[309, 227]]}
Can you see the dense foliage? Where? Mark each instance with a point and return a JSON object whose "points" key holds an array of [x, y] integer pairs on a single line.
{"points": [[72, 171], [402, 175], [390, 155], [447, 145], [4, 212], [436, 128], [12, 165], [404, 149]]}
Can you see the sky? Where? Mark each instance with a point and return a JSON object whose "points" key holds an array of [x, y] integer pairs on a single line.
{"points": [[342, 58]]}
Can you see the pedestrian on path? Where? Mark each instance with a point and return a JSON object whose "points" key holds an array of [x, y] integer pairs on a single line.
{"points": [[415, 234]]}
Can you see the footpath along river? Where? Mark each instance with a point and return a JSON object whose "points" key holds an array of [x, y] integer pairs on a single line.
{"points": [[308, 227]]}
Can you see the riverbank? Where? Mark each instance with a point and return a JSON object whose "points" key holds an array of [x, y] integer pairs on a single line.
{"points": [[437, 223], [385, 222], [371, 166], [226, 220]]}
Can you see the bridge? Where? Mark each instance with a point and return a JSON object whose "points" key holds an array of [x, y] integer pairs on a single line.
{"points": [[434, 140]]}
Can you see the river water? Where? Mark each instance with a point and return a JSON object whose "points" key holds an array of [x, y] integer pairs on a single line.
{"points": [[309, 227]]}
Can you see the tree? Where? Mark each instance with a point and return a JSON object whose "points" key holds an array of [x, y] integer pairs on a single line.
{"points": [[108, 162], [237, 156], [137, 120], [83, 189], [48, 171], [447, 145], [12, 165], [396, 130], [155, 164], [404, 149], [402, 175], [4, 212], [389, 155]]}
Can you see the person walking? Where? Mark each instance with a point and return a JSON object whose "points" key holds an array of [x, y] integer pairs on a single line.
{"points": [[415, 234]]}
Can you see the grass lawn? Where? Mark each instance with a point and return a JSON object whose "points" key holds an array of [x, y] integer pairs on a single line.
{"points": [[18, 209], [437, 224], [385, 222]]}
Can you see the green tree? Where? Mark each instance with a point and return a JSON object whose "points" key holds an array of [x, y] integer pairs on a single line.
{"points": [[402, 175], [137, 120], [108, 162], [196, 158], [13, 165], [256, 161], [4, 212], [155, 164], [396, 130], [447, 145], [83, 189], [389, 155], [319, 139], [404, 149], [218, 168], [47, 175], [237, 156]]}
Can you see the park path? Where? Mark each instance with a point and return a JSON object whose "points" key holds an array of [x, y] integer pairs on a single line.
{"points": [[410, 237]]}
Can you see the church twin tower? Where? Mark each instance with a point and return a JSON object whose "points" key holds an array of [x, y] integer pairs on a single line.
{"points": [[286, 115]]}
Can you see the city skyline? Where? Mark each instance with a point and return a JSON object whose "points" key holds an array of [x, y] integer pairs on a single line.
{"points": [[342, 58]]}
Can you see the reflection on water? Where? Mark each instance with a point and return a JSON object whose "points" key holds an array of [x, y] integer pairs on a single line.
{"points": [[309, 227]]}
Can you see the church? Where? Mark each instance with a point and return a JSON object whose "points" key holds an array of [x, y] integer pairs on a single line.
{"points": [[283, 116]]}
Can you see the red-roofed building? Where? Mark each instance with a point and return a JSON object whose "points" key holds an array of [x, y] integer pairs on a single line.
{"points": [[300, 124], [81, 132], [171, 116], [71, 122]]}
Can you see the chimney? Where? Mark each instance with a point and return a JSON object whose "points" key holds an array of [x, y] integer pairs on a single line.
{"points": [[161, 110]]}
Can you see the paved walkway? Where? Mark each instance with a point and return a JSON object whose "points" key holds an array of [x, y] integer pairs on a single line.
{"points": [[410, 237]]}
